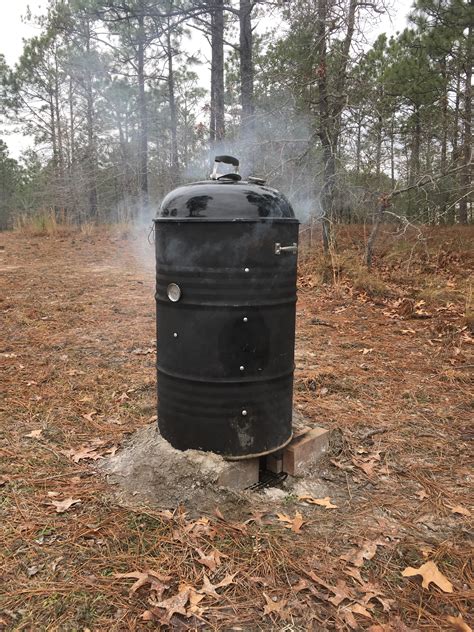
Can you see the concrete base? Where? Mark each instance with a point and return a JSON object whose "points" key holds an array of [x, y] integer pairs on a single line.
{"points": [[147, 470]]}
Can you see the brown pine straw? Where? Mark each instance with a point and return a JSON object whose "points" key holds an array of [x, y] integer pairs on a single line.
{"points": [[74, 309]]}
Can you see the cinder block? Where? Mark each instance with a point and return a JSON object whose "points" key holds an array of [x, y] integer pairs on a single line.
{"points": [[239, 474], [304, 450], [274, 462]]}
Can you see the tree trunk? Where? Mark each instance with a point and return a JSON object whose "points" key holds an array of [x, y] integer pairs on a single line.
{"points": [[369, 251], [330, 116], [72, 134], [378, 151], [416, 144], [392, 153], [217, 123], [325, 127], [91, 149], [465, 179], [142, 114], [53, 133], [246, 76], [59, 130], [172, 104], [444, 142], [358, 144]]}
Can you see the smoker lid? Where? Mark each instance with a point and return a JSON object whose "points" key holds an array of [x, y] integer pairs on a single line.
{"points": [[224, 200]]}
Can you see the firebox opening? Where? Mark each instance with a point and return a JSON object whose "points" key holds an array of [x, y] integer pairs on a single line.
{"points": [[268, 475]]}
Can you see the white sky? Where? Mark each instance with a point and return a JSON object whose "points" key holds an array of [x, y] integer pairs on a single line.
{"points": [[14, 29]]}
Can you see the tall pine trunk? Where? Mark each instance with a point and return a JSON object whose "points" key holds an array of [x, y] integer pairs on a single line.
{"points": [[465, 179], [172, 104], [247, 129], [217, 122], [444, 141], [91, 148], [142, 114]]}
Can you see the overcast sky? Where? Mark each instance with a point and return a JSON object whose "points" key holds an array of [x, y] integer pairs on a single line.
{"points": [[13, 29]]}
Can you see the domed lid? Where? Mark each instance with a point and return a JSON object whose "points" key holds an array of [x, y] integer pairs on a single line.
{"points": [[225, 198]]}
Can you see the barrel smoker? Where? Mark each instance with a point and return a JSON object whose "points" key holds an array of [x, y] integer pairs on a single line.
{"points": [[226, 257]]}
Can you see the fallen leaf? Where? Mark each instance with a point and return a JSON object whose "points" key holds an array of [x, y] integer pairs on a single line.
{"points": [[147, 615], [358, 609], [89, 416], [421, 494], [459, 624], [156, 580], [143, 351], [210, 589], [85, 452], [212, 560], [348, 618], [373, 592], [366, 551], [341, 591], [323, 502], [273, 606], [35, 434], [200, 527], [53, 494], [64, 505], [431, 574], [218, 513], [54, 564], [256, 516], [194, 599], [301, 585], [459, 509], [426, 551], [294, 524], [367, 465], [173, 605], [395, 625], [342, 466], [354, 573]]}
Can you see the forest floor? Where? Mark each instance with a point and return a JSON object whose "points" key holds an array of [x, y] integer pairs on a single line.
{"points": [[383, 360]]}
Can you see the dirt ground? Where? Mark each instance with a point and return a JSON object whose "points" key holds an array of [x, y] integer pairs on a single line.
{"points": [[384, 361]]}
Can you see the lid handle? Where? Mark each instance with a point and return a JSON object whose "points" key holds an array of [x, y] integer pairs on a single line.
{"points": [[228, 160]]}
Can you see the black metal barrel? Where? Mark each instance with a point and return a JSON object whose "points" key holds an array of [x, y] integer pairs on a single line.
{"points": [[225, 300]]}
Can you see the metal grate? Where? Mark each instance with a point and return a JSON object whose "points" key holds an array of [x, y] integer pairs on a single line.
{"points": [[268, 479]]}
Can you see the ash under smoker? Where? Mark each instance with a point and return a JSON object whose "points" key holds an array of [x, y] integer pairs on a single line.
{"points": [[226, 258]]}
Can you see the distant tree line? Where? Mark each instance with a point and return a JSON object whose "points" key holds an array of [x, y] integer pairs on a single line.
{"points": [[111, 91]]}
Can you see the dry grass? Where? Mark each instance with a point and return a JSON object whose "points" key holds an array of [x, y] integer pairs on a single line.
{"points": [[394, 389], [44, 222]]}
